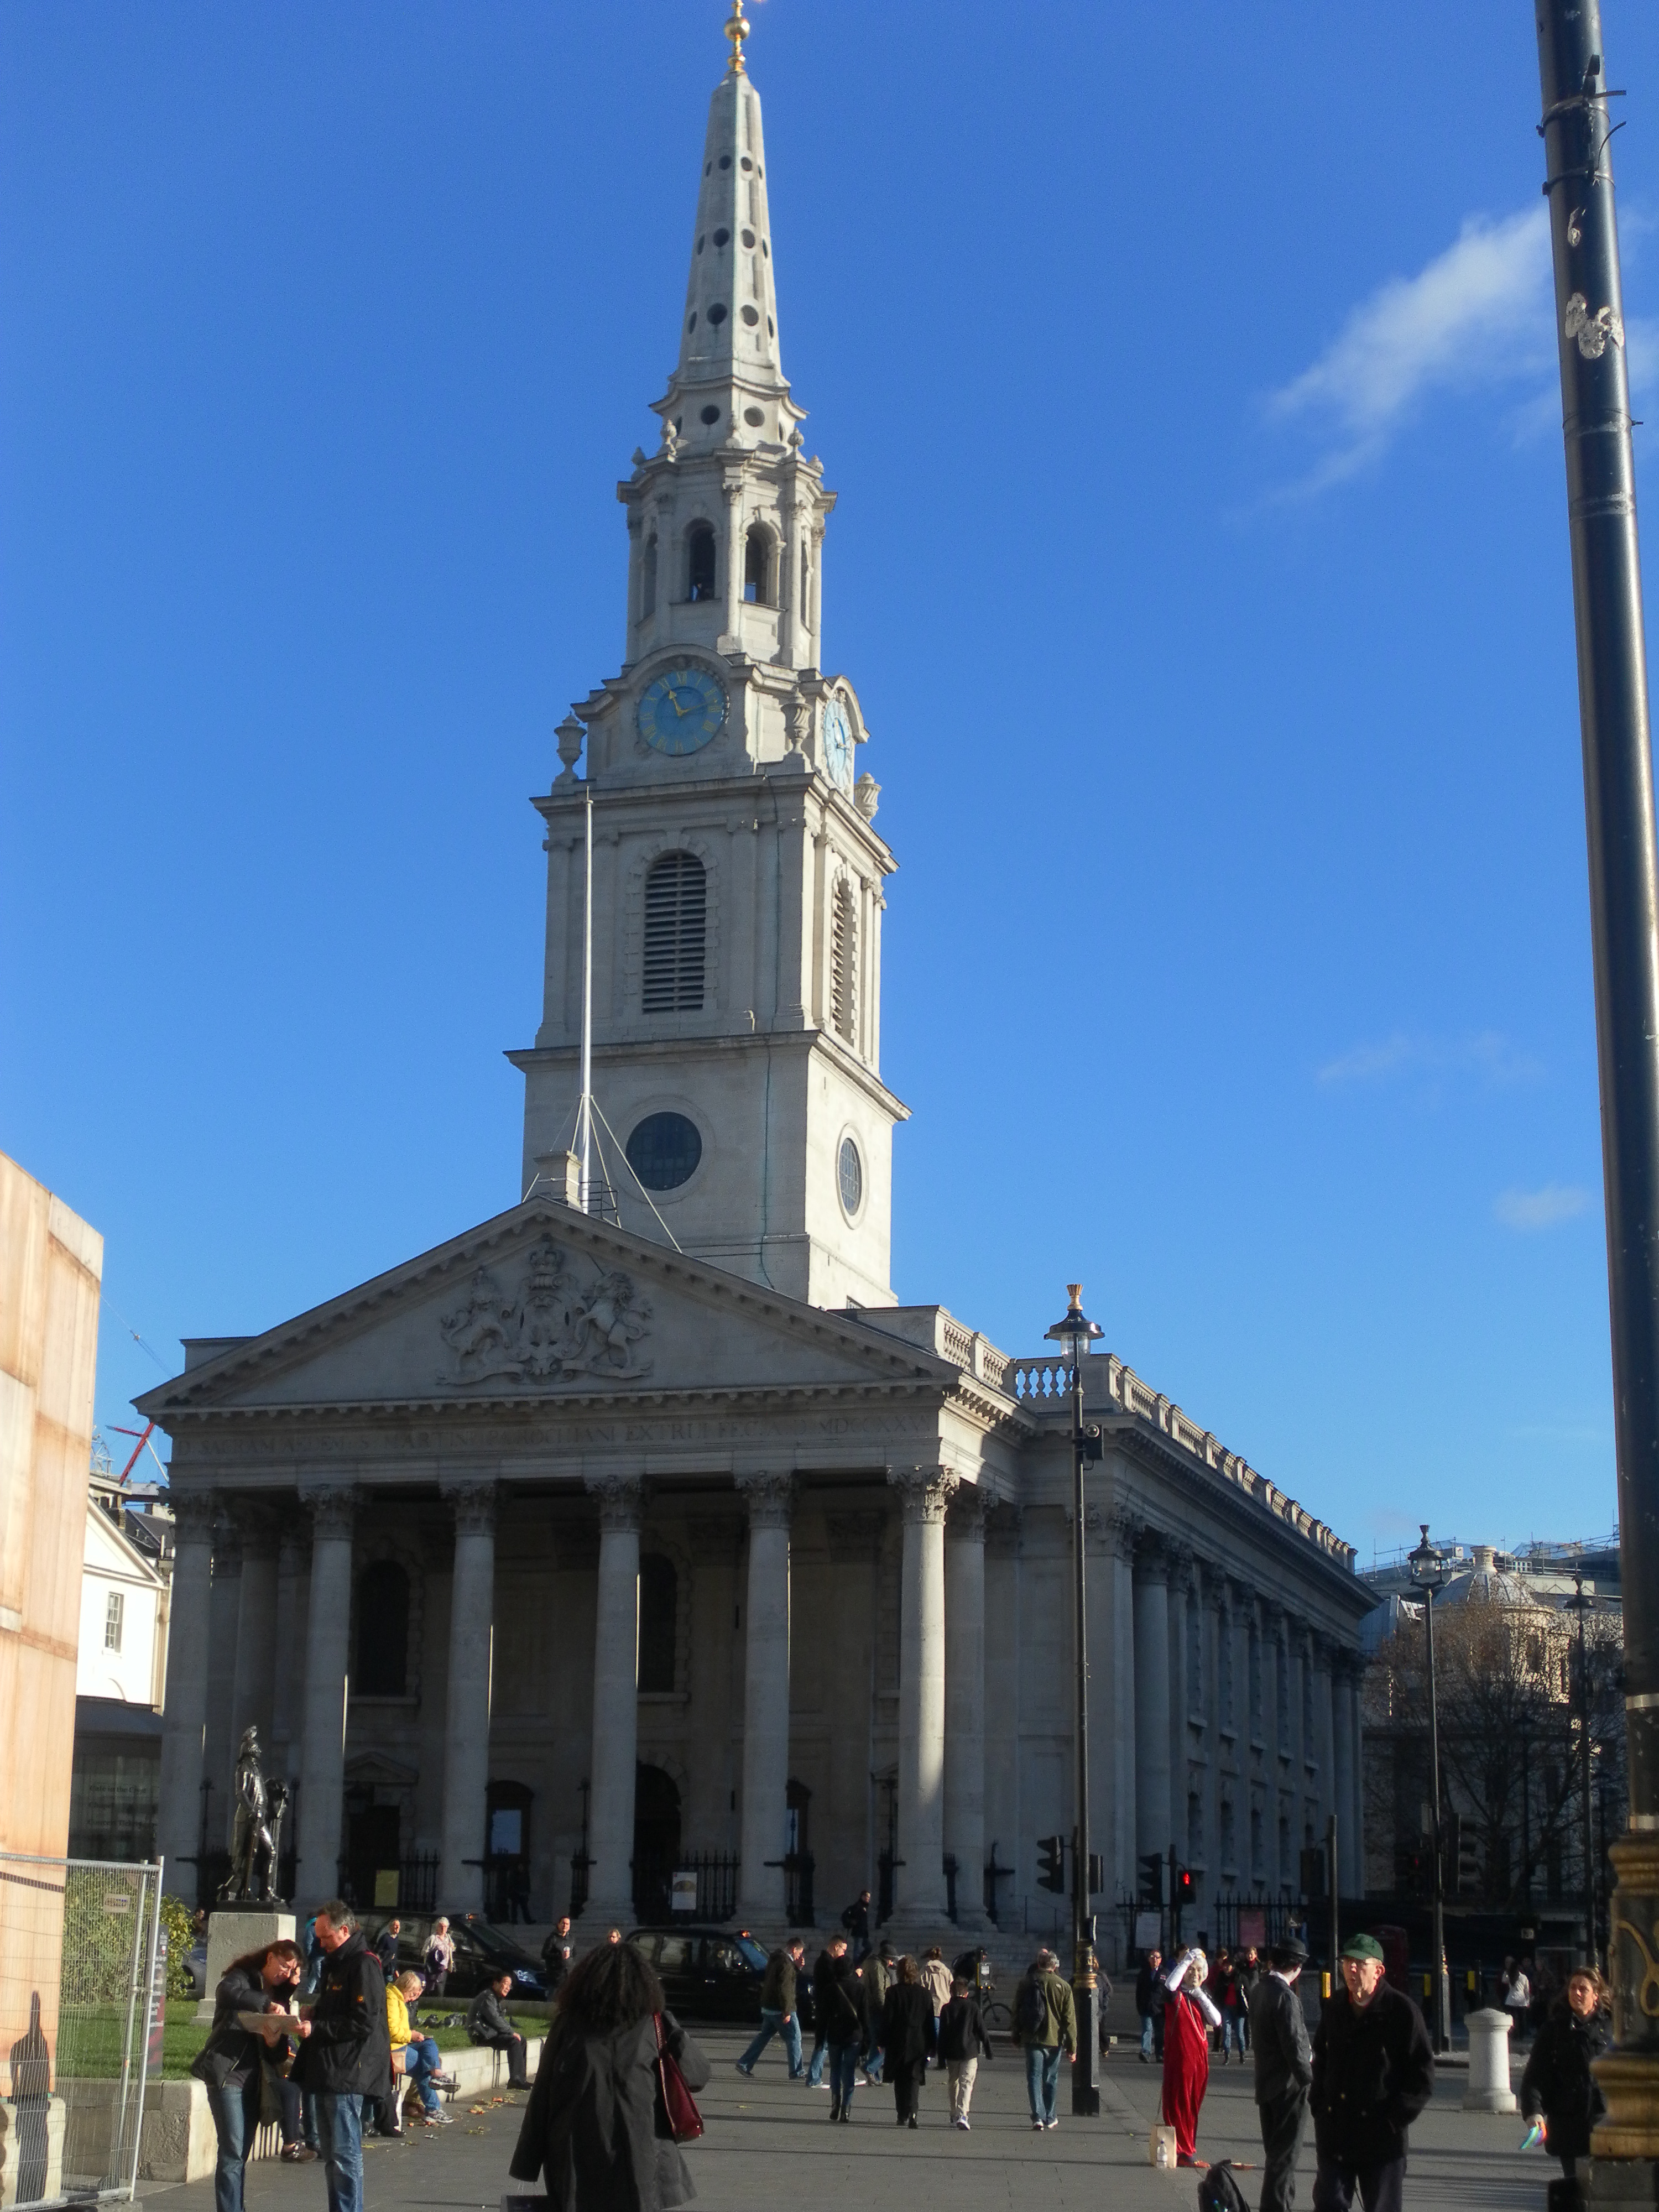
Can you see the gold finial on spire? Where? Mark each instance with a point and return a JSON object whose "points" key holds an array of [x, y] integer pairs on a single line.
{"points": [[736, 29]]}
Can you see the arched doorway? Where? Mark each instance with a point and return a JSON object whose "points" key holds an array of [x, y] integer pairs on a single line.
{"points": [[656, 1840]]}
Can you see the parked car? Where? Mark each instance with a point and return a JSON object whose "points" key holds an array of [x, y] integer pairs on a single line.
{"points": [[481, 1954], [707, 1973]]}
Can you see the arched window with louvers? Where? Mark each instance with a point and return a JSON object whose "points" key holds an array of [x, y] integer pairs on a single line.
{"points": [[844, 962], [676, 934]]}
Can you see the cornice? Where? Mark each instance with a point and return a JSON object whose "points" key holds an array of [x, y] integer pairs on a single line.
{"points": [[763, 1038]]}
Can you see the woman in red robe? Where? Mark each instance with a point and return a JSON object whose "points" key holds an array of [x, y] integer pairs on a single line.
{"points": [[1189, 2016]]}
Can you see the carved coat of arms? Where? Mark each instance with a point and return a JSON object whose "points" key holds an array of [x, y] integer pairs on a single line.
{"points": [[557, 1326]]}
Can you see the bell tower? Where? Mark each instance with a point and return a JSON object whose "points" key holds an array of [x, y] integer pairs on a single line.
{"points": [[736, 874]]}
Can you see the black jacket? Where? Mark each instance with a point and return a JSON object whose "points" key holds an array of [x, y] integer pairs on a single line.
{"points": [[856, 1921], [556, 1957], [835, 1998], [592, 2126], [1278, 2038], [1150, 1991], [962, 2030], [1559, 2083], [349, 2050], [485, 2018], [386, 1950], [778, 1988], [1373, 2072], [232, 2054], [907, 2023]]}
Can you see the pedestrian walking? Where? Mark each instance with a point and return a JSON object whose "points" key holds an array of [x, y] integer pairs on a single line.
{"points": [[1149, 2005], [908, 2039], [1517, 1995], [231, 2062], [438, 1958], [779, 2013], [879, 1973], [1247, 1972], [1230, 1998], [856, 1921], [487, 2025], [936, 1980], [347, 2054], [1559, 2086], [414, 2055], [386, 1946], [1373, 2072], [835, 1990], [556, 1954], [1189, 2013], [1284, 2072], [1045, 2024], [962, 2043], [591, 2126]]}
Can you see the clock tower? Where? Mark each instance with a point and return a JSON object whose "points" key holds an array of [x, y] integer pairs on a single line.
{"points": [[736, 874]]}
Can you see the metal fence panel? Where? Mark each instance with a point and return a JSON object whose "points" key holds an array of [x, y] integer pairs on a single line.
{"points": [[78, 1950]]}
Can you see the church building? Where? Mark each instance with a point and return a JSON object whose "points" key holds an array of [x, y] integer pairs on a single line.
{"points": [[639, 1530]]}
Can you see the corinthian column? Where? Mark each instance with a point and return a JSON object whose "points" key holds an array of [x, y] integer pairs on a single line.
{"points": [[466, 1712], [184, 1723], [1151, 1673], [616, 1696], [328, 1629], [256, 1627], [919, 1888], [964, 1701], [770, 1499]]}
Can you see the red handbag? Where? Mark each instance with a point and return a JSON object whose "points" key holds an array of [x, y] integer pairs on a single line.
{"points": [[679, 2105]]}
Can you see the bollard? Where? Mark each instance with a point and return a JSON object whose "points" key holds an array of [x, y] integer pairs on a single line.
{"points": [[1489, 2089]]}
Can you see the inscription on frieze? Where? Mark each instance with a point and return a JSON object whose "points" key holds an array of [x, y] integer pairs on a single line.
{"points": [[556, 1326]]}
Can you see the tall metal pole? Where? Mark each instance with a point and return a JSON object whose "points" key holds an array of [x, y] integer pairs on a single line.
{"points": [[1624, 887], [1441, 1984], [1085, 2096], [1581, 1606], [584, 1132]]}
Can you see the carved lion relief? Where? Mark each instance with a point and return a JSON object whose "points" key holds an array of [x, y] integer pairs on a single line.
{"points": [[556, 1329]]}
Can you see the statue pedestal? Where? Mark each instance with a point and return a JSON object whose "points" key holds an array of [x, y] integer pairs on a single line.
{"points": [[236, 1930]]}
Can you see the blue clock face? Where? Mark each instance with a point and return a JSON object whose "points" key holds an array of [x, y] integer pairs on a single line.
{"points": [[838, 744], [682, 711]]}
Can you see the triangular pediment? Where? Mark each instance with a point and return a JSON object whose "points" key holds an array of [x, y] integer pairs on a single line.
{"points": [[542, 1304]]}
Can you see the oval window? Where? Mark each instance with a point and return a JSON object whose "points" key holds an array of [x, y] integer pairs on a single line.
{"points": [[851, 1174], [664, 1150]]}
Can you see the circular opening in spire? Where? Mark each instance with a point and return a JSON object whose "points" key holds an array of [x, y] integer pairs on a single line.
{"points": [[752, 316], [664, 1150], [753, 417], [717, 313], [692, 325], [711, 414], [726, 162], [720, 237], [747, 163], [749, 238]]}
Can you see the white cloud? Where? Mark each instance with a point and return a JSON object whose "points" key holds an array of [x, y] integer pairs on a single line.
{"points": [[1540, 1209], [1487, 1053], [1480, 313]]}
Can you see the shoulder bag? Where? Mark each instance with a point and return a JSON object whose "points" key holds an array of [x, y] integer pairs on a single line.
{"points": [[679, 2105]]}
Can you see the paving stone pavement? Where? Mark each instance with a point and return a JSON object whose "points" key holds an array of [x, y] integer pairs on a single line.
{"points": [[769, 2142]]}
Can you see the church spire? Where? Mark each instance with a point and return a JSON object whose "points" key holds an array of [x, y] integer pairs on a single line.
{"points": [[728, 385]]}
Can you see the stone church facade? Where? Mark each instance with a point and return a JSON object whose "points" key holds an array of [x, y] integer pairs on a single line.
{"points": [[639, 1525]]}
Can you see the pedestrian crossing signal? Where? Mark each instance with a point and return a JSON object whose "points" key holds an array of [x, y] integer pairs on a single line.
{"points": [[1051, 1862], [1183, 1885]]}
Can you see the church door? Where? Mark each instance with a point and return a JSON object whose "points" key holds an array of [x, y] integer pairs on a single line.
{"points": [[656, 1841], [372, 1853]]}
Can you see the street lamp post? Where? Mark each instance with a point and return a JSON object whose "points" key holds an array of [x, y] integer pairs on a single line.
{"points": [[1581, 1604], [1075, 1332], [1430, 1570]]}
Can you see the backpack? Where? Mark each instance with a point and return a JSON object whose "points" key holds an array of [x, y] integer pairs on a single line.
{"points": [[1219, 2192], [1030, 2009]]}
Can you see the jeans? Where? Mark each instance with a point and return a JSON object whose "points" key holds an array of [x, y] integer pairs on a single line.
{"points": [[1145, 2035], [843, 2067], [419, 2058], [340, 2134], [1232, 2032], [960, 2073], [1379, 2188], [299, 2116], [815, 2065], [1042, 2079], [236, 2120], [773, 2023]]}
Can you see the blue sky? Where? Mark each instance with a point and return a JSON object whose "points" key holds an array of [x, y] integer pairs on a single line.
{"points": [[1188, 381]]}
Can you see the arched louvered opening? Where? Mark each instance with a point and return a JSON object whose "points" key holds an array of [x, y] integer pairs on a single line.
{"points": [[699, 561], [757, 566], [843, 1011], [676, 930]]}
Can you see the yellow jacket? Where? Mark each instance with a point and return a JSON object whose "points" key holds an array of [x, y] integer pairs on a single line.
{"points": [[397, 2017]]}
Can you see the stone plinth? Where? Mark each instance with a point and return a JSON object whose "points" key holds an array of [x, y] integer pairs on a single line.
{"points": [[1489, 2089], [231, 1933]]}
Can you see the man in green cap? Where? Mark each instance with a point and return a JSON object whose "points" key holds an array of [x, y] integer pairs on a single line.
{"points": [[1373, 2072]]}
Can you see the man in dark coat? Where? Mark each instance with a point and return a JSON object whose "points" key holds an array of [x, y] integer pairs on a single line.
{"points": [[856, 1921], [962, 2043], [556, 1955], [1373, 2072], [347, 2054], [907, 2039], [487, 2023], [386, 1948], [1149, 2003], [780, 2013], [1284, 2071], [836, 1992]]}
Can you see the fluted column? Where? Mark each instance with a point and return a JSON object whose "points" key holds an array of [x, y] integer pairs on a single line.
{"points": [[1121, 1871], [328, 1631], [770, 1500], [255, 1687], [1152, 1584], [1357, 1771], [184, 1722], [964, 1701], [616, 1696], [918, 1887], [1349, 1846], [466, 1710]]}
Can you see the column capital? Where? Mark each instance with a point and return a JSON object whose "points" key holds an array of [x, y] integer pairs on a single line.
{"points": [[254, 1520], [226, 1544], [194, 1513], [473, 1504], [1151, 1555], [621, 1501], [332, 1507], [1002, 1524], [924, 1492], [965, 1522], [769, 1497], [293, 1551]]}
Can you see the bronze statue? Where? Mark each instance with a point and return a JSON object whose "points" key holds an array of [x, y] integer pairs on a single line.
{"points": [[259, 1809]]}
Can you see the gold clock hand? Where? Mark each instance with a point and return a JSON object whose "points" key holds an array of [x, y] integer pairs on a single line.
{"points": [[674, 702]]}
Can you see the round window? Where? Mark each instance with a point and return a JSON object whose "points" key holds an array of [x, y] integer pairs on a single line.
{"points": [[664, 1150], [852, 1176]]}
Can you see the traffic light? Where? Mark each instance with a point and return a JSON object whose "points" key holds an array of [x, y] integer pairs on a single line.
{"points": [[1051, 1862], [1183, 1885], [1097, 1873], [1152, 1877], [1312, 1871]]}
